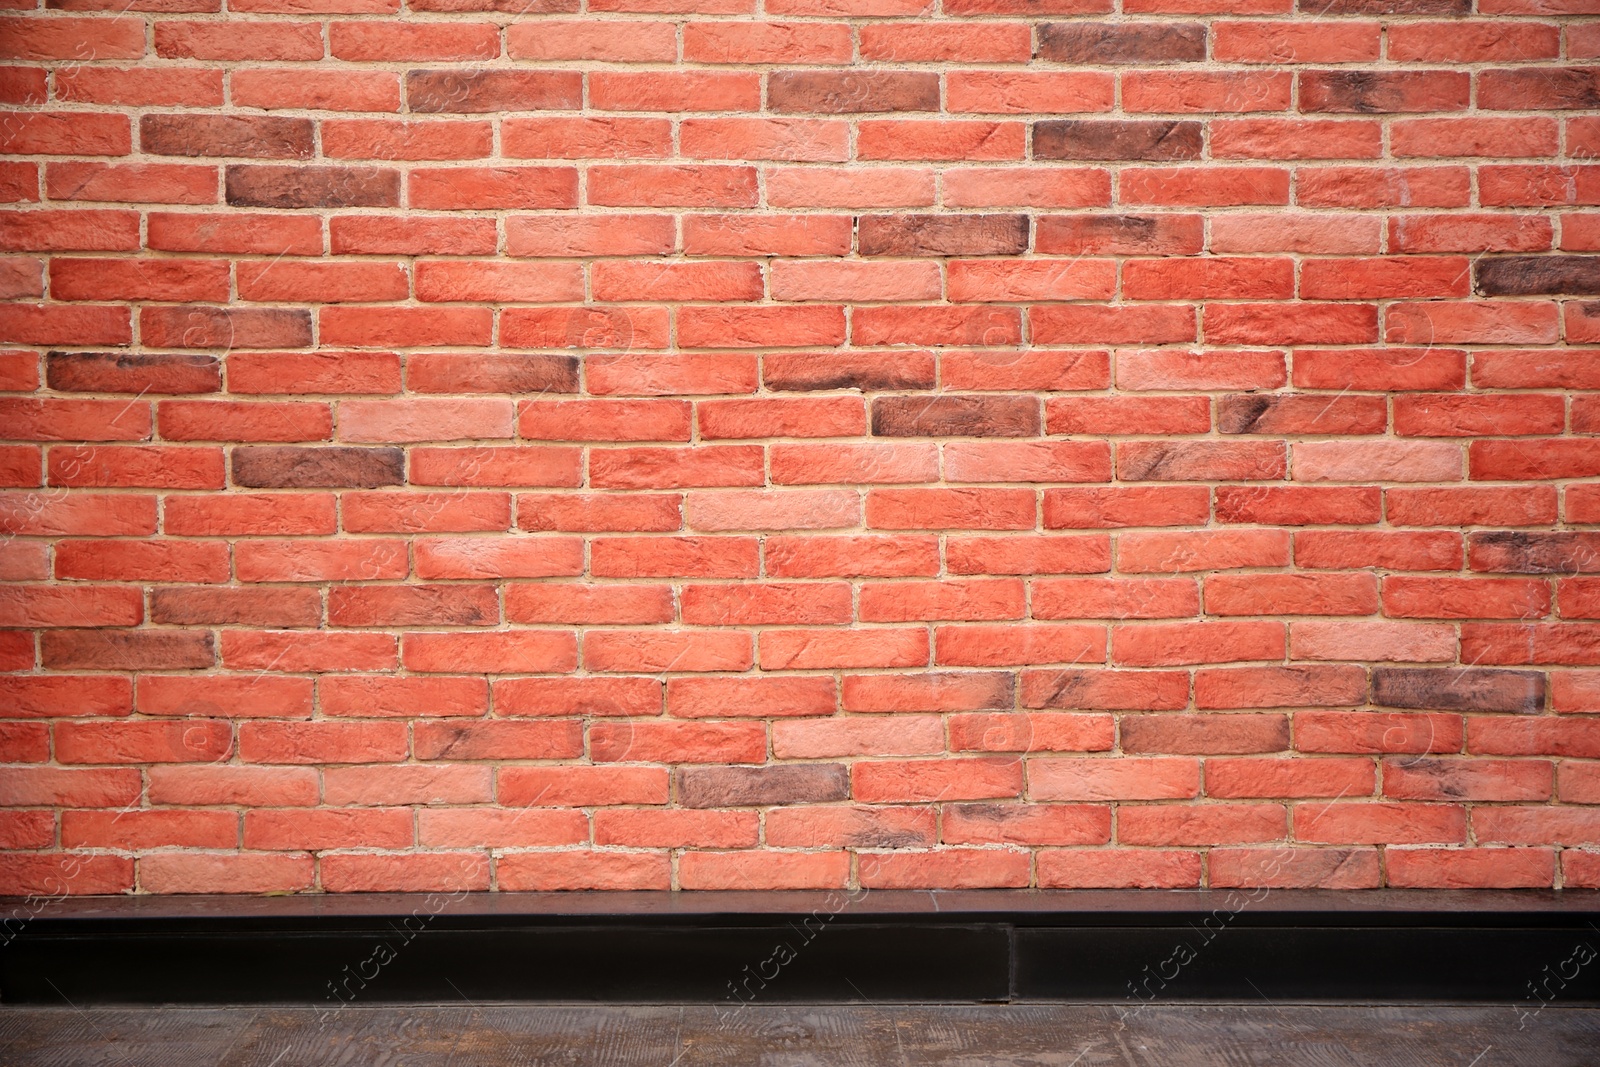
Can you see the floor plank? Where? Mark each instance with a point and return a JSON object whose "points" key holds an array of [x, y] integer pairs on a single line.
{"points": [[497, 1035]]}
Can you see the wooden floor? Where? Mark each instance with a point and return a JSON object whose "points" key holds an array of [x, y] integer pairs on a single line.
{"points": [[781, 1036]]}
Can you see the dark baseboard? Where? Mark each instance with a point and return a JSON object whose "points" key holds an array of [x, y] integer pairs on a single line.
{"points": [[1526, 948]]}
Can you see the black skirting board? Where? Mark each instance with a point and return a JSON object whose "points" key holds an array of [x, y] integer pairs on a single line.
{"points": [[1128, 948]]}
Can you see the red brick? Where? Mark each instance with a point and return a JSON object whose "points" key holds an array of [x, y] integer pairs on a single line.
{"points": [[1172, 553], [192, 741], [1173, 644], [1201, 824], [1376, 732], [1030, 732], [546, 871], [1126, 506], [1294, 868], [327, 828], [997, 646], [835, 825], [678, 742], [1142, 868], [942, 691], [758, 697], [577, 696], [835, 649], [761, 509], [621, 650], [1292, 777], [47, 874], [1278, 687], [225, 872], [1292, 594], [879, 735], [582, 786]]}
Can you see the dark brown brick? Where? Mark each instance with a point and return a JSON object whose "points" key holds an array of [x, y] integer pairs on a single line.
{"points": [[746, 787], [250, 136], [491, 372], [127, 650], [1114, 139], [955, 416], [1086, 43], [943, 235], [214, 327], [1516, 552], [1375, 91], [293, 467], [462, 91], [1458, 689], [1384, 7], [869, 372], [1538, 275], [1119, 235], [268, 186], [851, 92], [277, 608], [126, 372], [1540, 89]]}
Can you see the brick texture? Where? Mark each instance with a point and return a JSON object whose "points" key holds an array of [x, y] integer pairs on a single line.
{"points": [[799, 443]]}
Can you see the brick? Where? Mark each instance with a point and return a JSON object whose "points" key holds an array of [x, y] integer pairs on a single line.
{"points": [[1447, 779], [1172, 644], [716, 787], [933, 509], [761, 697], [657, 375], [190, 741], [774, 603], [832, 650], [763, 870], [626, 328], [936, 691], [1278, 687], [1309, 41], [1204, 461], [1380, 822], [547, 871], [1294, 777], [1296, 594], [1538, 275], [328, 828], [833, 93], [898, 735], [1286, 868], [1142, 868], [298, 652], [1117, 43], [1397, 642], [838, 826], [672, 186], [589, 604], [1202, 825], [617, 651], [1475, 868], [1112, 140], [1371, 732]]}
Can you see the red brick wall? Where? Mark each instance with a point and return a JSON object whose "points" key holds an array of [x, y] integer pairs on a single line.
{"points": [[692, 443]]}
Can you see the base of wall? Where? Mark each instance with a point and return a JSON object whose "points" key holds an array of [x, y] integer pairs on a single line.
{"points": [[979, 946]]}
